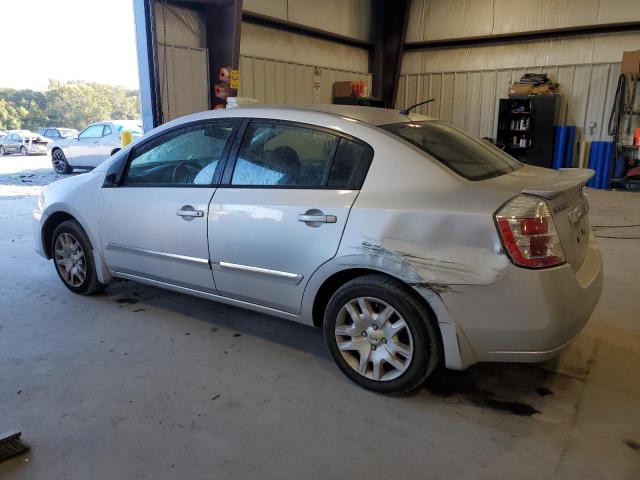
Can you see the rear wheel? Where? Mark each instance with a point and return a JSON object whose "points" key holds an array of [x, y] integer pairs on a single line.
{"points": [[59, 161], [381, 335], [73, 259], [23, 150]]}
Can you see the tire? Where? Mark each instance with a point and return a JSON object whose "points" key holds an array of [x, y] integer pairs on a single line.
{"points": [[59, 161], [405, 355], [23, 151], [66, 239], [2, 151]]}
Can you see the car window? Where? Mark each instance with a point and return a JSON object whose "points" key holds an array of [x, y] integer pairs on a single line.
{"points": [[469, 157], [350, 165], [107, 131], [283, 155], [53, 133], [185, 156], [93, 131]]}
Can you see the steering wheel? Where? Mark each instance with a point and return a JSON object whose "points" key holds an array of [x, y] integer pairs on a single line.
{"points": [[185, 172]]}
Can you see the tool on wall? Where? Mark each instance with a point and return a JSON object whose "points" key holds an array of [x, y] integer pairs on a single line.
{"points": [[623, 127]]}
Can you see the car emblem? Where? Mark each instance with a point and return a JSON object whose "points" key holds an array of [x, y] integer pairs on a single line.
{"points": [[577, 213], [558, 208]]}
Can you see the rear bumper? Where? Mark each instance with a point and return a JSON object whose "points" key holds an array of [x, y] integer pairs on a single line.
{"points": [[528, 315]]}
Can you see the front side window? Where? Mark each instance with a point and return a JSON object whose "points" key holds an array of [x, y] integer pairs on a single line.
{"points": [[469, 157], [185, 156], [283, 155], [94, 131]]}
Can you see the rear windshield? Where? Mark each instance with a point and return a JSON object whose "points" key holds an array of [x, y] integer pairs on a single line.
{"points": [[131, 126], [469, 157]]}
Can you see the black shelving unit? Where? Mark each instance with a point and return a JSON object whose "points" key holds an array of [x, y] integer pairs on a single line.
{"points": [[526, 128]]}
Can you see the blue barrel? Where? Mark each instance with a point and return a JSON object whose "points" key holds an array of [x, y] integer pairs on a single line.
{"points": [[606, 164], [559, 147], [568, 155], [594, 154]]}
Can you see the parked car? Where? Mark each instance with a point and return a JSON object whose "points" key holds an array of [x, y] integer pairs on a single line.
{"points": [[23, 142], [91, 146], [57, 133], [406, 240]]}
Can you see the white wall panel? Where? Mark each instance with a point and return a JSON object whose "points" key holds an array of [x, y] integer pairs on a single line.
{"points": [[276, 81], [443, 19], [469, 99], [267, 42], [350, 18]]}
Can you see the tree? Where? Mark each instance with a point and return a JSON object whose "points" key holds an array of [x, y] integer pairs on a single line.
{"points": [[72, 104]]}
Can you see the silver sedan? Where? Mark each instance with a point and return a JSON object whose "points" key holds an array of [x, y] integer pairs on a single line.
{"points": [[409, 242]]}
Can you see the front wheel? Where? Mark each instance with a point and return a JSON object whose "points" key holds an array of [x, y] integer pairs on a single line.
{"points": [[381, 336], [23, 150], [59, 161], [73, 259], [2, 151]]}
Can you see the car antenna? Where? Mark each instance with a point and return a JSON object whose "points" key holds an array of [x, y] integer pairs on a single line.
{"points": [[408, 109]]}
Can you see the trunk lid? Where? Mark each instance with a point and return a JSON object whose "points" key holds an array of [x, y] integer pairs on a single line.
{"points": [[563, 191]]}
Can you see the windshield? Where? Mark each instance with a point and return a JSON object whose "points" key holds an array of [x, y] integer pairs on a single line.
{"points": [[469, 157]]}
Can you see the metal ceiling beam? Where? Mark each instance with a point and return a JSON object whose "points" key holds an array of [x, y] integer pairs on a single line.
{"points": [[287, 26], [504, 38], [390, 20]]}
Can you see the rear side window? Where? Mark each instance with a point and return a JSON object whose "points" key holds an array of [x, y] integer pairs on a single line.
{"points": [[469, 157], [280, 155], [283, 155]]}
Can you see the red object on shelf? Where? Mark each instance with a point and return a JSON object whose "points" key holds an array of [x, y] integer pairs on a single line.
{"points": [[636, 137]]}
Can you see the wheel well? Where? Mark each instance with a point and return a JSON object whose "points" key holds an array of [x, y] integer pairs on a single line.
{"points": [[50, 225], [334, 282]]}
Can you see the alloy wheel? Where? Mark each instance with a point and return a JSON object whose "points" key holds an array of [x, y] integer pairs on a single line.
{"points": [[23, 150], [59, 162], [374, 339], [70, 260]]}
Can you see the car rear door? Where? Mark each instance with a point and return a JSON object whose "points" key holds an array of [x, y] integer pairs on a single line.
{"points": [[282, 208], [153, 218]]}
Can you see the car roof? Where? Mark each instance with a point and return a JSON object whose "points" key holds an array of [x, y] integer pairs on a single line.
{"points": [[371, 115]]}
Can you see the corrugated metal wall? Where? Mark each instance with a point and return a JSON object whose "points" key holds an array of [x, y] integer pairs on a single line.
{"points": [[469, 100], [276, 81], [185, 87]]}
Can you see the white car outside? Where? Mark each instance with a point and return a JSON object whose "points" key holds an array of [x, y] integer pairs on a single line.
{"points": [[91, 146]]}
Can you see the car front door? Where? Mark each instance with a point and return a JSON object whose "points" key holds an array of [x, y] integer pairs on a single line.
{"points": [[282, 209], [105, 146], [85, 147], [153, 218]]}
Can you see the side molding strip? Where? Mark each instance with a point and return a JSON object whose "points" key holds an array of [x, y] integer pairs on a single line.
{"points": [[293, 278], [193, 261]]}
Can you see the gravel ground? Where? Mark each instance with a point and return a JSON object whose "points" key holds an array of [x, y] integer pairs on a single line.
{"points": [[26, 176]]}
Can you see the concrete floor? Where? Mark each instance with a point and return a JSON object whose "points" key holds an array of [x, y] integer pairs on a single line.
{"points": [[142, 383]]}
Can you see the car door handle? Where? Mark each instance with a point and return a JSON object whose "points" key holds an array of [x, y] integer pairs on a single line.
{"points": [[188, 213], [307, 218]]}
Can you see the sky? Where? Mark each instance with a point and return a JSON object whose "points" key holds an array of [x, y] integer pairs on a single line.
{"points": [[92, 40]]}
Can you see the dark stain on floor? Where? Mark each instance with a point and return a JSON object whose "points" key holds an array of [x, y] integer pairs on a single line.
{"points": [[463, 386], [128, 300], [632, 444], [544, 391], [517, 408]]}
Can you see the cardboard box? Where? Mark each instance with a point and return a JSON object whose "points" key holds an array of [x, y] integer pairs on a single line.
{"points": [[349, 89], [630, 62]]}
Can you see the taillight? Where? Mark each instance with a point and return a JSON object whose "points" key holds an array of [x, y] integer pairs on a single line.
{"points": [[529, 234]]}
